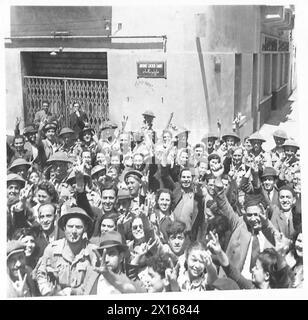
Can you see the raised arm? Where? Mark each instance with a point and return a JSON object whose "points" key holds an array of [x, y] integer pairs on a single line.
{"points": [[224, 205]]}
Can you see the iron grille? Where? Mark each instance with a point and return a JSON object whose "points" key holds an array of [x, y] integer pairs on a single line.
{"points": [[61, 93]]}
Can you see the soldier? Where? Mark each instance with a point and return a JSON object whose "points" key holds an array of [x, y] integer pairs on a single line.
{"points": [[62, 268], [66, 136], [48, 145]]}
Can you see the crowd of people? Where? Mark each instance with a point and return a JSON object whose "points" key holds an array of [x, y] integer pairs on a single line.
{"points": [[92, 212]]}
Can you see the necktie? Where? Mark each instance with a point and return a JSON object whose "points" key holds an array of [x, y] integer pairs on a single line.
{"points": [[254, 251]]}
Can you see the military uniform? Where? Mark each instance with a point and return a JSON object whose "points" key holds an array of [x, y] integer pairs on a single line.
{"points": [[68, 272]]}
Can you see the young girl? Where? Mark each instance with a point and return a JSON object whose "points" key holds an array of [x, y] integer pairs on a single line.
{"points": [[27, 236], [198, 271]]}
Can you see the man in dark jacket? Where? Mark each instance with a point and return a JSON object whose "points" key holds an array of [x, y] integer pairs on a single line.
{"points": [[188, 206], [77, 119]]}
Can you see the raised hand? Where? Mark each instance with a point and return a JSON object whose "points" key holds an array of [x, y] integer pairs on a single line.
{"points": [[254, 165], [217, 170], [171, 274], [264, 213], [25, 192], [213, 245], [232, 170], [79, 175], [17, 122], [42, 124], [282, 243], [123, 219], [101, 259], [124, 122], [20, 285]]}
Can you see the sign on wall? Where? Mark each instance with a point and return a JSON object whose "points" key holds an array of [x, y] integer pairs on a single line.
{"points": [[154, 69]]}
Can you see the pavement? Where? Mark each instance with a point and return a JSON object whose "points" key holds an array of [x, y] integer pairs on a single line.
{"points": [[287, 119]]}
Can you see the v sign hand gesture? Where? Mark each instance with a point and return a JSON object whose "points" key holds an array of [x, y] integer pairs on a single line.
{"points": [[20, 285], [171, 275], [214, 246], [213, 243]]}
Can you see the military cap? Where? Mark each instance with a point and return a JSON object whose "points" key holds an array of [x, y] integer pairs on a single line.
{"points": [[256, 136], [19, 162], [280, 134], [148, 113], [73, 212]]}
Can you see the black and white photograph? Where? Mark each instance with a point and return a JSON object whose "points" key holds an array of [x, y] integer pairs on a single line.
{"points": [[151, 149]]}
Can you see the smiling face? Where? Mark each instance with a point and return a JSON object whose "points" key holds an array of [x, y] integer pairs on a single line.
{"points": [[211, 186], [252, 217], [19, 144], [286, 200], [176, 242], [107, 225], [74, 230], [186, 179], [138, 161], [43, 197], [268, 183], [138, 229], [195, 263], [86, 157], [290, 151], [164, 202], [230, 141], [133, 186], [45, 106], [13, 190], [29, 244], [50, 134], [47, 217], [108, 200], [101, 159], [237, 156], [87, 136]]}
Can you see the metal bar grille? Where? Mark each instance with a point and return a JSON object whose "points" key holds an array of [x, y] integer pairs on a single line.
{"points": [[61, 92]]}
